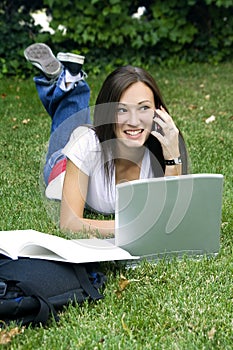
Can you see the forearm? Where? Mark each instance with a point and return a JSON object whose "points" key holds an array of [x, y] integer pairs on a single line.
{"points": [[74, 223]]}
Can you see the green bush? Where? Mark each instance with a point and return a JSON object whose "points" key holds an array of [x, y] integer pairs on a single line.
{"points": [[169, 32], [17, 31]]}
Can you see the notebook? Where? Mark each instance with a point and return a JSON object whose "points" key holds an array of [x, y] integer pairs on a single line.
{"points": [[170, 216]]}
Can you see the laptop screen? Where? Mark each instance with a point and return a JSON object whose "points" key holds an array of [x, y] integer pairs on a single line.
{"points": [[180, 215]]}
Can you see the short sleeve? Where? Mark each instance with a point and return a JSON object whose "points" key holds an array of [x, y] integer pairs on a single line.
{"points": [[83, 149]]}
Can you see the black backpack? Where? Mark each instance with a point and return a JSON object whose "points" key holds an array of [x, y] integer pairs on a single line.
{"points": [[31, 290]]}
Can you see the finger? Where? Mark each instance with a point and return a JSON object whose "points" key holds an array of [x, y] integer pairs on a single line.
{"points": [[167, 123], [166, 126], [159, 121], [164, 115], [159, 118], [158, 136], [161, 112]]}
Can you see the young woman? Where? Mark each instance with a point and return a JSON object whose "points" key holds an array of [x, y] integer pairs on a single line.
{"points": [[132, 137]]}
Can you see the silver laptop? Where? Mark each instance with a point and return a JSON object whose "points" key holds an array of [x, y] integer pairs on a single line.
{"points": [[170, 216]]}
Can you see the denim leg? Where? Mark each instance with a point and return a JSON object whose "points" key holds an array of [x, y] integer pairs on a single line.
{"points": [[68, 110], [59, 138], [61, 104]]}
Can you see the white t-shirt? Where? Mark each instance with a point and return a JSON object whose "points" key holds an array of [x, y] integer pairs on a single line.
{"points": [[84, 150]]}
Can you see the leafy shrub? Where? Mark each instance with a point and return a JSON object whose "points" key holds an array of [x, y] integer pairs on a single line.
{"points": [[169, 32]]}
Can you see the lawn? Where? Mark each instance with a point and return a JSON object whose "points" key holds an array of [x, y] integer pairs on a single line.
{"points": [[171, 305]]}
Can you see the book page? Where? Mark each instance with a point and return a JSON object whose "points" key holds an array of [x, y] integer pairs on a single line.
{"points": [[11, 241], [34, 244], [102, 250]]}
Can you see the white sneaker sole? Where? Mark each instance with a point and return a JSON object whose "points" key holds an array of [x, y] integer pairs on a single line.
{"points": [[41, 56]]}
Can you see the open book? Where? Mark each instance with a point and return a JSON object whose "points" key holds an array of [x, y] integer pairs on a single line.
{"points": [[37, 245]]}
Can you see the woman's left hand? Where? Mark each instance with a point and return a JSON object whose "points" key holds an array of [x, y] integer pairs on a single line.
{"points": [[167, 133]]}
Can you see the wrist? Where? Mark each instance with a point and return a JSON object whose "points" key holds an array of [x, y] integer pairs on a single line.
{"points": [[171, 154], [174, 161]]}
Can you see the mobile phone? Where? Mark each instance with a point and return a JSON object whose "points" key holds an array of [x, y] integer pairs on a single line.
{"points": [[156, 126]]}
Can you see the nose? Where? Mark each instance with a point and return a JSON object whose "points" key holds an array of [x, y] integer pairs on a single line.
{"points": [[133, 119]]}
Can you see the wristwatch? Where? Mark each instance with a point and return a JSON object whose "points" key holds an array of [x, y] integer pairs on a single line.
{"points": [[174, 161]]}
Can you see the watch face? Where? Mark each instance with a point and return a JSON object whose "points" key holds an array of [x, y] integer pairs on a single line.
{"points": [[178, 160]]}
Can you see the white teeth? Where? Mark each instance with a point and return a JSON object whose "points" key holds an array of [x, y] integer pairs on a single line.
{"points": [[133, 132]]}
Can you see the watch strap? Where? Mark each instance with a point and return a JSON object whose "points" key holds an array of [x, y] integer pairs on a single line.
{"points": [[174, 161]]}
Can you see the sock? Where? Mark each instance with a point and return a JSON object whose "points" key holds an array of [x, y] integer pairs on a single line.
{"points": [[69, 78]]}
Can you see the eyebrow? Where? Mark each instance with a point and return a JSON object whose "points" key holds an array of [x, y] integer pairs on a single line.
{"points": [[144, 101], [139, 103]]}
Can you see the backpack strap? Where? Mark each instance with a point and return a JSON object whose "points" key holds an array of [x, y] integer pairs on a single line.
{"points": [[45, 306], [85, 283]]}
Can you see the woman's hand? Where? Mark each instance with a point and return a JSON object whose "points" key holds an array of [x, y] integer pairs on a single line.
{"points": [[167, 133], [73, 202]]}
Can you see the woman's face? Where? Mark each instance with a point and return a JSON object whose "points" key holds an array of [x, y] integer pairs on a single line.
{"points": [[135, 114]]}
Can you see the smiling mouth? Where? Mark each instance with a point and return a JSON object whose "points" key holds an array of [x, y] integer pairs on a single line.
{"points": [[133, 132]]}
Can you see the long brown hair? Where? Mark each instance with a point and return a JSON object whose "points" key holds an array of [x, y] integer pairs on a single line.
{"points": [[105, 115]]}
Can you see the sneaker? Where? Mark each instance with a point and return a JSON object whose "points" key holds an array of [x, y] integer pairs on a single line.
{"points": [[71, 61], [41, 56]]}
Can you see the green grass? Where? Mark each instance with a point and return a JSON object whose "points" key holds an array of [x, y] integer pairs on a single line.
{"points": [[175, 305]]}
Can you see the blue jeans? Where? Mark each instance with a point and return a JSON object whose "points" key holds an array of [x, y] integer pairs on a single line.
{"points": [[68, 109]]}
